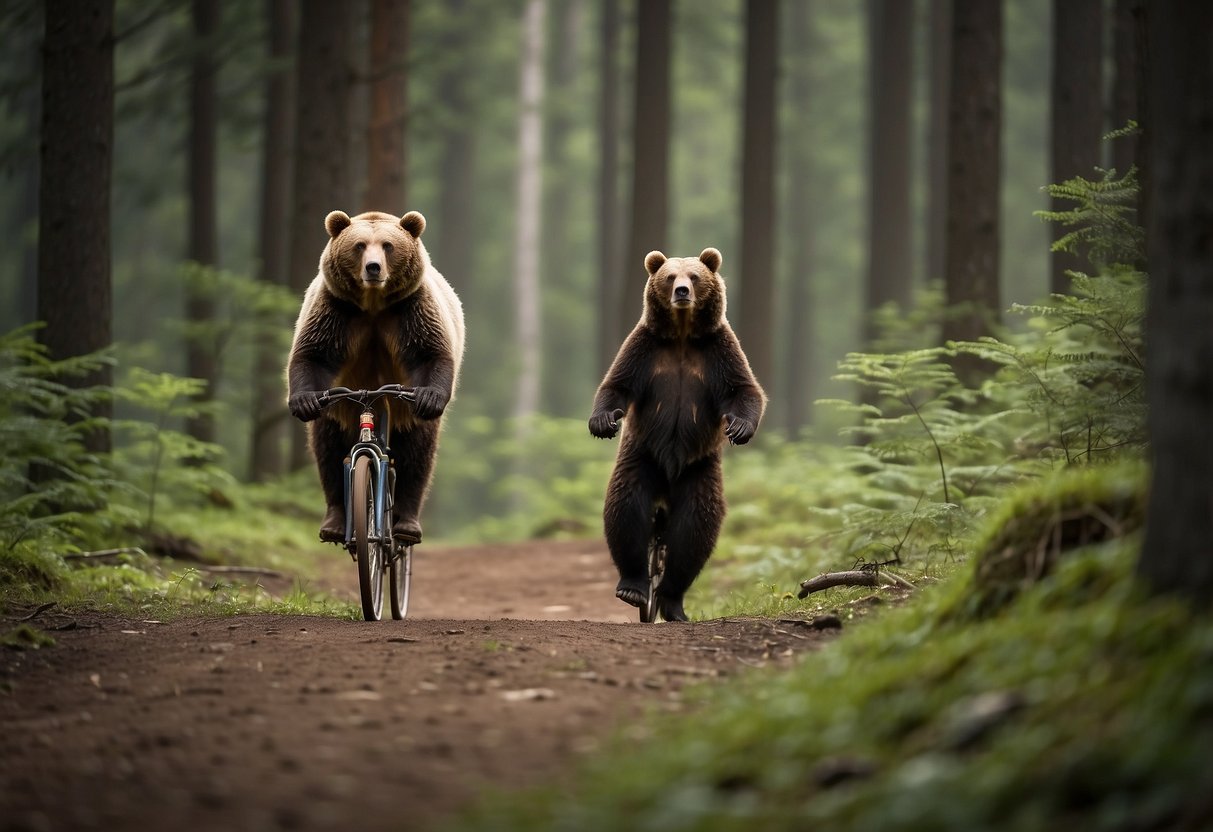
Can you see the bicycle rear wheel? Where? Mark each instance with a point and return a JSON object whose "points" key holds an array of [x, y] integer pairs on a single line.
{"points": [[648, 610], [367, 535], [401, 572]]}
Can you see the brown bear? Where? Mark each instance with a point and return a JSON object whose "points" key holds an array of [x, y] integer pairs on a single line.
{"points": [[684, 386], [377, 313]]}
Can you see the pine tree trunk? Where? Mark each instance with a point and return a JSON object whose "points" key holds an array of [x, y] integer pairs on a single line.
{"points": [[1126, 79], [610, 274], [455, 245], [386, 152], [321, 171], [203, 243], [74, 286], [269, 409], [937, 137], [1077, 110], [974, 127], [799, 309], [527, 332], [649, 214], [756, 325], [890, 71], [1177, 556]]}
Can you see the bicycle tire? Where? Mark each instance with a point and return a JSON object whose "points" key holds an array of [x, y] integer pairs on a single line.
{"points": [[656, 567], [367, 547], [401, 572]]}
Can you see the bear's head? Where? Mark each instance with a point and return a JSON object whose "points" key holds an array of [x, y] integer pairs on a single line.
{"points": [[373, 259], [684, 295]]}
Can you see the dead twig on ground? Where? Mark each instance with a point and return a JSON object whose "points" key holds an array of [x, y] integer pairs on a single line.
{"points": [[851, 577]]}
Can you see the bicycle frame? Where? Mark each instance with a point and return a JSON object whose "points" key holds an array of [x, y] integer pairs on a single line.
{"points": [[374, 446]]}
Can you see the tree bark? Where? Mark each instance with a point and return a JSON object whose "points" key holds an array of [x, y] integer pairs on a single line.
{"points": [[756, 325], [1126, 80], [455, 234], [386, 151], [527, 332], [203, 242], [1077, 110], [974, 127], [74, 285], [937, 137], [610, 274], [1177, 556], [321, 172], [890, 71], [269, 409], [649, 214], [799, 309]]}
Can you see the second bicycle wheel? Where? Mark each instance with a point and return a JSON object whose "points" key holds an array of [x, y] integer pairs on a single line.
{"points": [[368, 548], [401, 572]]}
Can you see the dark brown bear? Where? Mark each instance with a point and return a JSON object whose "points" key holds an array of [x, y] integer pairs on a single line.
{"points": [[377, 313], [684, 386]]}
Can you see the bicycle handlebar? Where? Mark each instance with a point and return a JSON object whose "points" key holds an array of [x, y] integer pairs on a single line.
{"points": [[367, 396]]}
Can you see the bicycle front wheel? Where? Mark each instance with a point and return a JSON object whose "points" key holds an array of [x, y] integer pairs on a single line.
{"points": [[648, 610], [401, 578], [367, 535]]}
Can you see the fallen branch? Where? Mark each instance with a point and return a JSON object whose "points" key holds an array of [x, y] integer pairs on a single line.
{"points": [[853, 577], [41, 609], [104, 553]]}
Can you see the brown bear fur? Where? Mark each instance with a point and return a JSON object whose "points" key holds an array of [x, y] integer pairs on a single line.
{"points": [[683, 386], [377, 313]]}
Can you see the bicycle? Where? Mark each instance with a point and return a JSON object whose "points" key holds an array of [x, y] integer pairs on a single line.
{"points": [[370, 487], [656, 566]]}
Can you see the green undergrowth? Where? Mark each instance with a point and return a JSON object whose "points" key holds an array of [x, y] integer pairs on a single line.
{"points": [[1080, 704]]}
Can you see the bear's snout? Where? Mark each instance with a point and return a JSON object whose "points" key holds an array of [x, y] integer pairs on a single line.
{"points": [[682, 292], [373, 271]]}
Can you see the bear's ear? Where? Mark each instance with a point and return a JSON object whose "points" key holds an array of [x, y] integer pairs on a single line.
{"points": [[711, 258], [653, 261], [413, 223], [336, 222]]}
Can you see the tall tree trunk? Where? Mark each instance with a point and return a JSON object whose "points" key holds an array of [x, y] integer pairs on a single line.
{"points": [[562, 380], [1126, 79], [1177, 556], [386, 159], [610, 275], [528, 334], [455, 234], [1077, 108], [269, 410], [890, 71], [756, 325], [799, 307], [937, 136], [974, 127], [74, 286], [650, 158], [321, 172], [203, 237]]}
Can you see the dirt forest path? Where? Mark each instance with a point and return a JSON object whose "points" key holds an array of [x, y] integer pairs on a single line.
{"points": [[515, 661]]}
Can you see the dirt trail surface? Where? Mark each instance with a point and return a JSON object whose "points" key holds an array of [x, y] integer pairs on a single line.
{"points": [[298, 723]]}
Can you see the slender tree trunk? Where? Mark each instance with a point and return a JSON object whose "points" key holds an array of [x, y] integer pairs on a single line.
{"points": [[269, 410], [530, 187], [650, 158], [386, 163], [456, 239], [74, 286], [203, 236], [756, 325], [610, 275], [1126, 79], [1077, 109], [974, 128], [1177, 556], [321, 171], [890, 71], [937, 136], [798, 327]]}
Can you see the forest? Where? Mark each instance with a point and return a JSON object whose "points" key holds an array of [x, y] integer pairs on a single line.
{"points": [[967, 252]]}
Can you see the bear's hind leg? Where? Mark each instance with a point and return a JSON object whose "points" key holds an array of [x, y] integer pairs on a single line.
{"points": [[330, 442], [696, 514], [413, 452], [627, 521]]}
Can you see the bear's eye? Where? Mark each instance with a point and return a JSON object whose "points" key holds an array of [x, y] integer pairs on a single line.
{"points": [[359, 246], [387, 248], [669, 278]]}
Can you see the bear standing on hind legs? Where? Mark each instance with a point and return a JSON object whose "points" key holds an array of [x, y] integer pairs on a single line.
{"points": [[683, 386], [377, 313]]}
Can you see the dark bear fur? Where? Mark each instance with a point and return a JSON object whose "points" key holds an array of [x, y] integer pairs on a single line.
{"points": [[683, 386], [377, 313]]}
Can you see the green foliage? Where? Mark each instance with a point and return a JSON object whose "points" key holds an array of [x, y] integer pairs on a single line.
{"points": [[25, 637], [1103, 221]]}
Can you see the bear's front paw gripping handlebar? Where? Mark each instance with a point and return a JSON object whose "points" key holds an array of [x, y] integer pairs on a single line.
{"points": [[366, 397]]}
